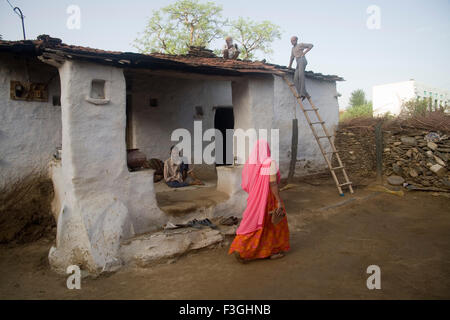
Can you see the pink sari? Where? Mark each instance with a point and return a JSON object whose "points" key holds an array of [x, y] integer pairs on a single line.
{"points": [[255, 181], [257, 237]]}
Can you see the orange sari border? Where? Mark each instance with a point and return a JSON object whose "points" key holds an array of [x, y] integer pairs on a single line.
{"points": [[269, 240]]}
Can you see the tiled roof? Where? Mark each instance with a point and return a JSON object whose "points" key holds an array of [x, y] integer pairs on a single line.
{"points": [[45, 46]]}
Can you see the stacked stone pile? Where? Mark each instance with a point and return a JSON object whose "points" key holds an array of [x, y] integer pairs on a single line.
{"points": [[416, 157], [357, 152], [421, 158]]}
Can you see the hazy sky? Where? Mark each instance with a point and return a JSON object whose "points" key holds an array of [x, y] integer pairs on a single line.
{"points": [[413, 41]]}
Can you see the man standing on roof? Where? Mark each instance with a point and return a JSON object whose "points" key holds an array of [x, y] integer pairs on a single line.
{"points": [[299, 55], [230, 50]]}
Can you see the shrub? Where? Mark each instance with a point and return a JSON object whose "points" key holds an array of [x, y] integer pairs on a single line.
{"points": [[358, 111], [415, 107]]}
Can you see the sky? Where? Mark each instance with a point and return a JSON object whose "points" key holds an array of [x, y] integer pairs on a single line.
{"points": [[405, 39]]}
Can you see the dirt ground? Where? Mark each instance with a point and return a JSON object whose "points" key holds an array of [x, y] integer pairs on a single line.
{"points": [[334, 239]]}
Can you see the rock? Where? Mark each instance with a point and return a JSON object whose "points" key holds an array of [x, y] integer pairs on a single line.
{"points": [[438, 170], [409, 153], [426, 183], [410, 141], [439, 161], [433, 146], [397, 169], [397, 143], [446, 182], [147, 249], [429, 153], [395, 180], [413, 173]]}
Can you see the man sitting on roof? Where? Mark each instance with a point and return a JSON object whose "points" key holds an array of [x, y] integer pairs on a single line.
{"points": [[177, 173], [230, 50]]}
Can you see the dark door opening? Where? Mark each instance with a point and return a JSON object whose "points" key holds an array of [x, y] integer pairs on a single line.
{"points": [[223, 120]]}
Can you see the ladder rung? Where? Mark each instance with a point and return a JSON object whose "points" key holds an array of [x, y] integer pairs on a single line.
{"points": [[320, 122], [345, 184], [311, 109], [337, 168], [321, 137]]}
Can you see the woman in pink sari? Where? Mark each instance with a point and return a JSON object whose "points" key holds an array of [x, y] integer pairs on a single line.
{"points": [[257, 237]]}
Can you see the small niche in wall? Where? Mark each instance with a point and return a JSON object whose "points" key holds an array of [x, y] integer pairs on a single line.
{"points": [[28, 91], [56, 100], [153, 102], [98, 89]]}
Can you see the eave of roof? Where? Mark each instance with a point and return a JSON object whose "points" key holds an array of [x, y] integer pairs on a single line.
{"points": [[46, 46]]}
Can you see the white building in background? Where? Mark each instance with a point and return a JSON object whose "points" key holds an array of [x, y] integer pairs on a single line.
{"points": [[390, 97]]}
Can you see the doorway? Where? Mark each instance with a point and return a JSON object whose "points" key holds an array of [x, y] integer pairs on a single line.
{"points": [[223, 120]]}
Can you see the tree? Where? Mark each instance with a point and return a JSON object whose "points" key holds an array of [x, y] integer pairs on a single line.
{"points": [[358, 106], [254, 36], [357, 98], [185, 23]]}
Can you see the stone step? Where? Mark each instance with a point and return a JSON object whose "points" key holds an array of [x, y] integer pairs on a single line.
{"points": [[153, 248], [180, 202]]}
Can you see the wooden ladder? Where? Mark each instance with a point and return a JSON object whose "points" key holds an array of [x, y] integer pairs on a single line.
{"points": [[340, 166]]}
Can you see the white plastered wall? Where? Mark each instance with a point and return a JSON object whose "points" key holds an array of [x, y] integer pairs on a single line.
{"points": [[30, 131], [268, 103], [324, 96], [100, 202]]}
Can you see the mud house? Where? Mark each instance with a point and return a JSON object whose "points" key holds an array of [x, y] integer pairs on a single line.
{"points": [[96, 104]]}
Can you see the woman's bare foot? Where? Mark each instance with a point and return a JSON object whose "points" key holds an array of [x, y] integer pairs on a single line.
{"points": [[197, 183], [277, 256], [238, 257]]}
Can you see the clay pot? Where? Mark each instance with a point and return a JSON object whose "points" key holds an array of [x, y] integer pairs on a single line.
{"points": [[136, 159]]}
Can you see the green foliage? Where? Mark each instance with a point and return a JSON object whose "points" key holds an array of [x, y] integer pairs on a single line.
{"points": [[172, 29], [185, 23], [358, 111], [359, 107], [357, 98], [388, 115], [254, 36], [415, 107]]}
